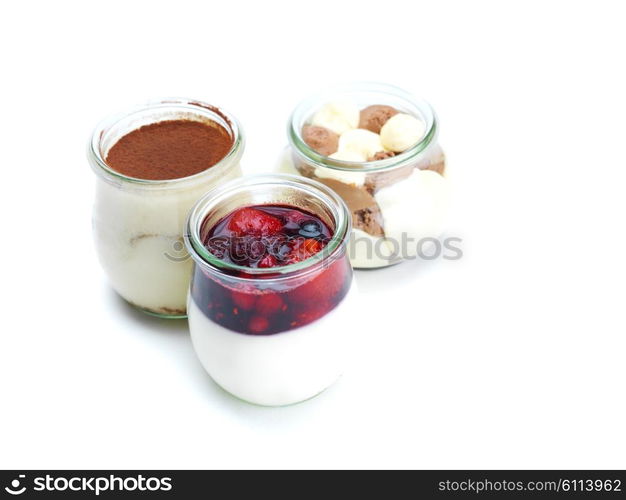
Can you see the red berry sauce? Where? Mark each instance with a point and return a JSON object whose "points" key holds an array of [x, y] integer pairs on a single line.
{"points": [[269, 236]]}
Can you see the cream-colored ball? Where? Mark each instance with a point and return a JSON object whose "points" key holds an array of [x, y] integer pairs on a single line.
{"points": [[401, 132], [338, 116], [361, 141]]}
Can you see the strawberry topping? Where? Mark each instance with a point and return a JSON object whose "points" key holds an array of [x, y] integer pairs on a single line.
{"points": [[267, 236], [250, 221]]}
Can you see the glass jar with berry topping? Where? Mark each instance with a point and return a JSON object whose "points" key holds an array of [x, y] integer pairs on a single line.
{"points": [[376, 146], [272, 297], [152, 164]]}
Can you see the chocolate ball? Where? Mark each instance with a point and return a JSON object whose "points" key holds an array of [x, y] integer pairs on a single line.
{"points": [[320, 139], [374, 117], [381, 155]]}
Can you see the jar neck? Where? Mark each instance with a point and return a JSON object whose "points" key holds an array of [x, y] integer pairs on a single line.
{"points": [[283, 189], [110, 130]]}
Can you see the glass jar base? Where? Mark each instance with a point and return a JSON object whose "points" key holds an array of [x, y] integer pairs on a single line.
{"points": [[160, 314], [285, 405]]}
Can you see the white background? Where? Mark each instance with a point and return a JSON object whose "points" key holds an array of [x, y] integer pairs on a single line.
{"points": [[512, 357]]}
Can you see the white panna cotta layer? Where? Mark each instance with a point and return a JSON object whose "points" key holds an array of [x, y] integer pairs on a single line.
{"points": [[279, 369]]}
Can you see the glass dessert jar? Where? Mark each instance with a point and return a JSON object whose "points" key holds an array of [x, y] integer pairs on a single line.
{"points": [[376, 146], [271, 336], [138, 223]]}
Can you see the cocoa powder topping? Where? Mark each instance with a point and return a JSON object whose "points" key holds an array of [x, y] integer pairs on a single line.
{"points": [[169, 149]]}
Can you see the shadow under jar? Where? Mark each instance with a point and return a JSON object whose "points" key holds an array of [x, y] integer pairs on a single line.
{"points": [[397, 198], [138, 223], [271, 336]]}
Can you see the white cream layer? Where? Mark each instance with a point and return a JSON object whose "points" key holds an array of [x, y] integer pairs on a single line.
{"points": [[279, 369], [138, 234]]}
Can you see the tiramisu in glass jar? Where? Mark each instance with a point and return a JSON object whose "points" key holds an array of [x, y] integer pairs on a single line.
{"points": [[272, 300], [152, 164], [376, 146]]}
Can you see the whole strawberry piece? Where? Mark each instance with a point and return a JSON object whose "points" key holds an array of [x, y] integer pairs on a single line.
{"points": [[269, 303], [244, 300], [258, 324], [250, 221]]}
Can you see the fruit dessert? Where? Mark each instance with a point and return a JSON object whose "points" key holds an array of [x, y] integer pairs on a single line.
{"points": [[152, 164], [376, 146], [270, 298], [269, 237]]}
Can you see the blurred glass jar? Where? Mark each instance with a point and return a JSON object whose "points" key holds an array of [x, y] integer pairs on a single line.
{"points": [[138, 224], [272, 336], [396, 202]]}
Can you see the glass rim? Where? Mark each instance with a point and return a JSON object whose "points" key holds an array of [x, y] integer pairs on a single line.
{"points": [[101, 168], [400, 160], [202, 207]]}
